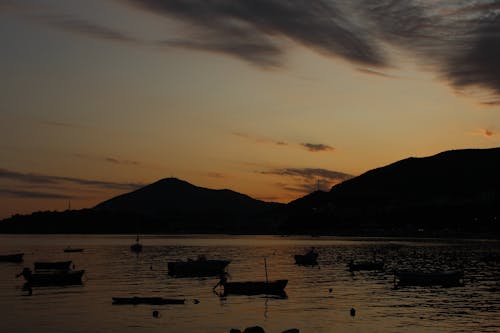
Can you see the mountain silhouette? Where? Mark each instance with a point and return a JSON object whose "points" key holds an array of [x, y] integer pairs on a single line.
{"points": [[455, 190], [175, 197]]}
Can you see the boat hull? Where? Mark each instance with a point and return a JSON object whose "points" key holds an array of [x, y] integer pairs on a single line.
{"points": [[255, 287], [306, 260], [17, 257], [366, 266], [57, 278], [446, 278], [197, 268]]}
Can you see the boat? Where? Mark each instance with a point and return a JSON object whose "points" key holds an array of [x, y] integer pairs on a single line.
{"points": [[137, 247], [58, 265], [439, 278], [276, 287], [70, 250], [15, 257], [377, 265], [199, 267], [308, 259], [52, 278], [146, 300]]}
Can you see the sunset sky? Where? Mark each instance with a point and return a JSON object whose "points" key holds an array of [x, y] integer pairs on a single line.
{"points": [[270, 98]]}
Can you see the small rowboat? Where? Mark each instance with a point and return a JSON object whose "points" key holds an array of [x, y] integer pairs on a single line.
{"points": [[254, 287], [59, 265], [146, 300], [197, 268], [52, 278], [16, 257], [308, 259], [439, 278], [70, 250]]}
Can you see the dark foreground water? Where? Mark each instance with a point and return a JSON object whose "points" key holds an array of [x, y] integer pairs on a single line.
{"points": [[112, 270]]}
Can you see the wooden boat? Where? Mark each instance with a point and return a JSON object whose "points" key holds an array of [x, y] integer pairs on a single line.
{"points": [[16, 257], [197, 268], [308, 259], [52, 278], [439, 278], [146, 300], [70, 250], [377, 265], [58, 265], [253, 287]]}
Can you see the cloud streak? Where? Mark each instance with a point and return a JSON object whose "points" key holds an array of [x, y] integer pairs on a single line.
{"points": [[34, 195], [316, 147], [40, 179], [307, 180], [262, 140]]}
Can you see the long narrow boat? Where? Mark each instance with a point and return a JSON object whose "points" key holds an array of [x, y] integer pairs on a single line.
{"points": [[146, 300], [16, 257], [276, 287], [59, 265], [71, 250], [52, 278], [439, 278], [200, 267]]}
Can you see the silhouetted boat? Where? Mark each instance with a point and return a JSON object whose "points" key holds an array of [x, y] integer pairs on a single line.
{"points": [[197, 268], [52, 278], [137, 247], [308, 259], [69, 250], [439, 278], [57, 265], [377, 265], [253, 287], [16, 257], [146, 300]]}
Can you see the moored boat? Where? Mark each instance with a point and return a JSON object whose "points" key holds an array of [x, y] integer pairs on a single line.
{"points": [[58, 265], [136, 247], [70, 250], [276, 287], [308, 259], [439, 278], [197, 268], [53, 277], [15, 257], [146, 300]]}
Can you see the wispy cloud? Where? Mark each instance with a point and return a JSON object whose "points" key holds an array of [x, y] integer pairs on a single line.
{"points": [[315, 147], [120, 161], [217, 175], [35, 178], [34, 194], [257, 139], [377, 73], [59, 124], [306, 180]]}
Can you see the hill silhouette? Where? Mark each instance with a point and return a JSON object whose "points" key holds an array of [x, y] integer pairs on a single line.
{"points": [[454, 191], [169, 205]]}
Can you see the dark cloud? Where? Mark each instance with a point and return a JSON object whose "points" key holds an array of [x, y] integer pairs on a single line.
{"points": [[315, 147], [307, 180], [34, 178], [119, 161], [254, 30], [34, 195]]}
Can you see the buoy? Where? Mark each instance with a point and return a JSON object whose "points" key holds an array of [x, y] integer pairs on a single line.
{"points": [[156, 314], [353, 312], [330, 290]]}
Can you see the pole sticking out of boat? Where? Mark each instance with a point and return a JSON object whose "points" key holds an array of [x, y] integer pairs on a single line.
{"points": [[265, 266]]}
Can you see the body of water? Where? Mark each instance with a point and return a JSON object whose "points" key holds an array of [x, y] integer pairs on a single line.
{"points": [[318, 299]]}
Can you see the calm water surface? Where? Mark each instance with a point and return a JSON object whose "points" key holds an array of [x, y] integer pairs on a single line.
{"points": [[112, 270]]}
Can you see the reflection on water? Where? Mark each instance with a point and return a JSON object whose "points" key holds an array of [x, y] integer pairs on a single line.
{"points": [[319, 298]]}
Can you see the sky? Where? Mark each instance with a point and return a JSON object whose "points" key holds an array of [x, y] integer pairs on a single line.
{"points": [[270, 98]]}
